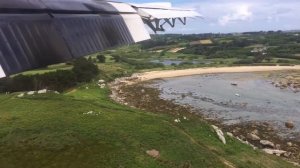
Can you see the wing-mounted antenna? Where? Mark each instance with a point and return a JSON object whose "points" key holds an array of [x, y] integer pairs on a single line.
{"points": [[157, 15]]}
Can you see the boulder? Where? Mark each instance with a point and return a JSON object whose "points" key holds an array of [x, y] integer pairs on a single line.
{"points": [[219, 133], [255, 132], [287, 154], [31, 93], [43, 91], [290, 124], [253, 137], [242, 137], [274, 151], [153, 153], [267, 143], [102, 86], [289, 144], [230, 134], [101, 81], [20, 95]]}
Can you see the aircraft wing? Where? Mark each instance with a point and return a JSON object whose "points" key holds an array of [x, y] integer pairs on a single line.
{"points": [[37, 33]]}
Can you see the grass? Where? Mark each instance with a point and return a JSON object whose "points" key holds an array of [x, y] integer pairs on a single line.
{"points": [[51, 131], [50, 68]]}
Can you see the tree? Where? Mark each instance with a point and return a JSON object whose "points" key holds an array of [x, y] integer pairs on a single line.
{"points": [[84, 70], [116, 58], [101, 58]]}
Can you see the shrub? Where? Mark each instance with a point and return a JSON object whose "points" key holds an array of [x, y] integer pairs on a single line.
{"points": [[84, 70], [244, 61], [283, 61], [60, 80], [101, 58]]}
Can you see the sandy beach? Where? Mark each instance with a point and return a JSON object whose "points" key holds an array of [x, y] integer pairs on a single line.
{"points": [[197, 71]]}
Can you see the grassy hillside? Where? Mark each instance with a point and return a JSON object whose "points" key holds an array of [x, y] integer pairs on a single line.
{"points": [[54, 130]]}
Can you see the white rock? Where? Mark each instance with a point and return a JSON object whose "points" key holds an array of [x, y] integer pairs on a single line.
{"points": [[90, 112], [289, 144], [274, 151], [177, 120], [230, 134], [102, 86], [43, 91], [238, 95], [253, 137], [21, 95], [154, 153], [219, 133], [56, 92], [267, 143], [184, 117], [31, 93], [101, 81], [86, 87]]}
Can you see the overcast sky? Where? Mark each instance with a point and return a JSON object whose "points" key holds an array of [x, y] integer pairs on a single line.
{"points": [[238, 15]]}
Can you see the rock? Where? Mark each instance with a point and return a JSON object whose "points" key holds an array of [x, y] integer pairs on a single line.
{"points": [[253, 137], [177, 120], [103, 86], [43, 91], [101, 81], [236, 130], [56, 92], [86, 87], [230, 134], [242, 137], [289, 144], [184, 117], [238, 95], [219, 133], [20, 95], [290, 124], [234, 84], [153, 153], [274, 151], [255, 132], [31, 93], [287, 154], [277, 146], [266, 143], [90, 112]]}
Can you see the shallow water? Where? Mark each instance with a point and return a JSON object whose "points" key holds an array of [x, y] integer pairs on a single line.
{"points": [[253, 99]]}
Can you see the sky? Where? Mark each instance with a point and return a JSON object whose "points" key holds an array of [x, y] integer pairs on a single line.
{"points": [[226, 16]]}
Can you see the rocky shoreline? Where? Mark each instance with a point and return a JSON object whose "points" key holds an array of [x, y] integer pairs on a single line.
{"points": [[288, 80], [133, 92]]}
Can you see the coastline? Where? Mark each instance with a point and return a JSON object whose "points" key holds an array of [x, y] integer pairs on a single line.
{"points": [[133, 91], [151, 75]]}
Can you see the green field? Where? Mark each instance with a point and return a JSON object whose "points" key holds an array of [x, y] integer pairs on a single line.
{"points": [[54, 130], [51, 130]]}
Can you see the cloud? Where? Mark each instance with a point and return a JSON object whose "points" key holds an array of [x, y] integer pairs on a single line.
{"points": [[239, 12], [239, 15]]}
